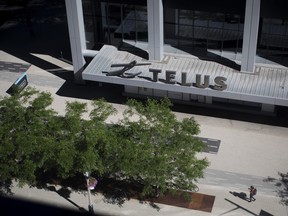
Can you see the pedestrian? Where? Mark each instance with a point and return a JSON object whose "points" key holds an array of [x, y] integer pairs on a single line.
{"points": [[252, 191]]}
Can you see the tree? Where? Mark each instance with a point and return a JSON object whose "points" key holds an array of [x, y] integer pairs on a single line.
{"points": [[91, 138], [148, 146], [25, 140], [37, 142], [157, 150], [81, 145]]}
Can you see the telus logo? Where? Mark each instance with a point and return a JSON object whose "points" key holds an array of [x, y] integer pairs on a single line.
{"points": [[219, 81]]}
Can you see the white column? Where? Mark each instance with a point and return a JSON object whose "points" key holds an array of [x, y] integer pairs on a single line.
{"points": [[155, 29], [76, 34], [251, 24]]}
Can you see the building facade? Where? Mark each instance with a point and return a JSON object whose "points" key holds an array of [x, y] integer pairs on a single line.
{"points": [[199, 51]]}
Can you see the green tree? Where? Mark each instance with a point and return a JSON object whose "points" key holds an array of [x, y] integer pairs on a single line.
{"points": [[157, 150], [37, 142], [25, 140], [148, 146], [82, 144], [92, 139]]}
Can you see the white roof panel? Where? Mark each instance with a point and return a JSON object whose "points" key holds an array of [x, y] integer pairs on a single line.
{"points": [[267, 85]]}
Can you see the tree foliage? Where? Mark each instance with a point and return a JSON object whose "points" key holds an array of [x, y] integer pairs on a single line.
{"points": [[148, 146], [25, 120], [158, 150]]}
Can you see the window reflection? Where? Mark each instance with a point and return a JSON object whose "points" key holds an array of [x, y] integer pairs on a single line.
{"points": [[273, 39], [201, 30], [111, 23]]}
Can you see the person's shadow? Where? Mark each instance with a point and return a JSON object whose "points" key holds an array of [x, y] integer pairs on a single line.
{"points": [[242, 195]]}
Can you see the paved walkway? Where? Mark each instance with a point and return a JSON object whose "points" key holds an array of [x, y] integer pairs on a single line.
{"points": [[248, 154]]}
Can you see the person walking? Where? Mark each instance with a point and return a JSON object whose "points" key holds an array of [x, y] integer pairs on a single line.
{"points": [[253, 192]]}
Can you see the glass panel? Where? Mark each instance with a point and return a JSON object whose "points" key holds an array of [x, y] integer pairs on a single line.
{"points": [[273, 40], [113, 17], [185, 17], [201, 29], [170, 26], [89, 23], [134, 25], [201, 18], [170, 34], [141, 23], [185, 29], [129, 23], [274, 33], [110, 23], [232, 33], [215, 31]]}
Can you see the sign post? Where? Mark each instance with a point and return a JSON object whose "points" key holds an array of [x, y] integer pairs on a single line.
{"points": [[90, 186]]}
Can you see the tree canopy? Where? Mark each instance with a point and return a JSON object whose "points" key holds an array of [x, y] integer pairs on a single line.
{"points": [[157, 149], [149, 145]]}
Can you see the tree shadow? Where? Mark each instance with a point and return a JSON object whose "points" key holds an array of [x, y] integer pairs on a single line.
{"points": [[282, 184], [115, 192], [283, 194], [118, 192], [5, 187]]}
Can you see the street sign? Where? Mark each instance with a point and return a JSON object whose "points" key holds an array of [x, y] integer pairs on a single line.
{"points": [[18, 85]]}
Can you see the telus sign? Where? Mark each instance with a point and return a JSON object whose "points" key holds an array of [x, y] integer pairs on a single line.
{"points": [[219, 81]]}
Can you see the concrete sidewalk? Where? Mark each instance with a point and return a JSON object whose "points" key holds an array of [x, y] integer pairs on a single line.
{"points": [[249, 154], [225, 203]]}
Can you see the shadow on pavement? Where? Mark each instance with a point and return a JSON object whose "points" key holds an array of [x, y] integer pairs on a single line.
{"points": [[17, 206], [282, 184], [117, 192], [65, 193], [48, 21], [241, 195], [262, 212], [237, 207], [92, 91]]}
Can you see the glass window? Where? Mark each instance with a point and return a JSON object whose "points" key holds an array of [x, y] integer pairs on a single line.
{"points": [[134, 25], [141, 23], [111, 23], [273, 40], [232, 33], [200, 31]]}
